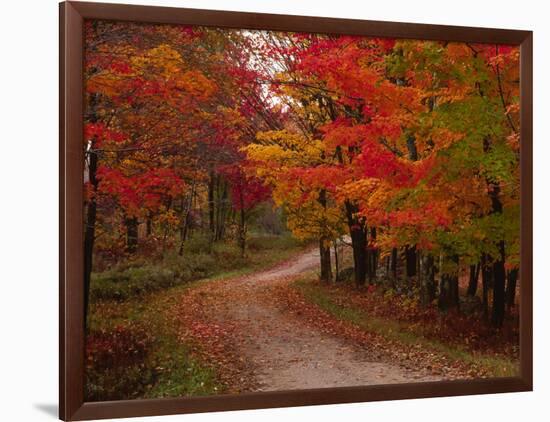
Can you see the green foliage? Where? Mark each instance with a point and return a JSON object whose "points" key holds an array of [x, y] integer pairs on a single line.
{"points": [[131, 282]]}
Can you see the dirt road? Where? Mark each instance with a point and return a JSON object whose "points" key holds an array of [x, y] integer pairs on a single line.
{"points": [[264, 347]]}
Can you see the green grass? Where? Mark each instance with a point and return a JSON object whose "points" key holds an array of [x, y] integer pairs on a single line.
{"points": [[138, 298], [394, 330]]}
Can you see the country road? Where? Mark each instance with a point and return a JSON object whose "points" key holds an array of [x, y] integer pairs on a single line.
{"points": [[269, 348]]}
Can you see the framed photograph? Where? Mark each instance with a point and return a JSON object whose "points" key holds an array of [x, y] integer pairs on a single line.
{"points": [[267, 210]]}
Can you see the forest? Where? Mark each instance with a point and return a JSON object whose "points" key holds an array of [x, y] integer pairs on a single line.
{"points": [[356, 190]]}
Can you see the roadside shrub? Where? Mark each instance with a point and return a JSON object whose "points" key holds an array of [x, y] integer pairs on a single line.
{"points": [[120, 285], [198, 243], [192, 266], [228, 256], [270, 242], [138, 276]]}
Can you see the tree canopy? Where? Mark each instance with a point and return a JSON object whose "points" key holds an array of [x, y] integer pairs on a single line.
{"points": [[408, 148]]}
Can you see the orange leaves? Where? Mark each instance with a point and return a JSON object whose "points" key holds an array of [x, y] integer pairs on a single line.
{"points": [[458, 52], [194, 83], [339, 134], [109, 84], [442, 138], [162, 61]]}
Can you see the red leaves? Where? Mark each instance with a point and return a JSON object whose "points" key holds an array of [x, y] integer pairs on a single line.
{"points": [[120, 67], [386, 44], [190, 32], [341, 132], [246, 191], [490, 51], [147, 190], [157, 184], [427, 218], [123, 346], [312, 179], [98, 133], [200, 318], [378, 162]]}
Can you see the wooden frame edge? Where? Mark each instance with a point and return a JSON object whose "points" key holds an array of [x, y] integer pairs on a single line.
{"points": [[294, 23], [71, 303], [71, 324], [526, 210], [156, 407]]}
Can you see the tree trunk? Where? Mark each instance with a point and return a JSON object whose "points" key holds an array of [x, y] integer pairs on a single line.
{"points": [[149, 225], [336, 263], [226, 209], [242, 224], [394, 266], [89, 233], [448, 288], [222, 208], [324, 252], [410, 251], [511, 287], [428, 279], [91, 206], [454, 292], [131, 234], [499, 273], [411, 147], [186, 210], [410, 259], [486, 279], [443, 300], [474, 276], [242, 233], [358, 243], [448, 292], [324, 244], [368, 260], [184, 231], [211, 205], [499, 285], [373, 255]]}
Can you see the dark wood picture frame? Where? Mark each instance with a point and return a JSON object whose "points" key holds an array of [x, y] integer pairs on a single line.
{"points": [[71, 315]]}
